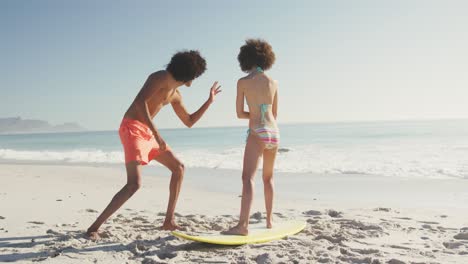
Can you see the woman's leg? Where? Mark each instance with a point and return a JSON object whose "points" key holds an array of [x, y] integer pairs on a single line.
{"points": [[269, 156], [253, 151]]}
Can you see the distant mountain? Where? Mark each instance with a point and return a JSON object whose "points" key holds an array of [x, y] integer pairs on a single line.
{"points": [[14, 125]]}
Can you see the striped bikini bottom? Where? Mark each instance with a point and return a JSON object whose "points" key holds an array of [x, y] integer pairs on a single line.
{"points": [[268, 135]]}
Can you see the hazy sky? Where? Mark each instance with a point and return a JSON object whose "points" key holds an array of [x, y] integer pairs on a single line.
{"points": [[84, 61]]}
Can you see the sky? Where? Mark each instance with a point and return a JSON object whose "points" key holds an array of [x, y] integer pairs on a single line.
{"points": [[85, 61]]}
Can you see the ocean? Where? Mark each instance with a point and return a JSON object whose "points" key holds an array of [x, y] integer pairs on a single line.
{"points": [[432, 149]]}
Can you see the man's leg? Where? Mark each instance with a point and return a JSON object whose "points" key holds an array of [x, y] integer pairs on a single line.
{"points": [[168, 159], [133, 184]]}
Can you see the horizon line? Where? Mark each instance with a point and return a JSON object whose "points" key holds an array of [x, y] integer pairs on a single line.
{"points": [[238, 126], [286, 123]]}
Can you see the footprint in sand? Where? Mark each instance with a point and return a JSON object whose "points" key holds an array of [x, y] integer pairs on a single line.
{"points": [[427, 226], [452, 245], [395, 261], [312, 212], [312, 221], [191, 216], [280, 215], [335, 239], [461, 236], [350, 259], [403, 218], [359, 225], [266, 258], [52, 232], [121, 220], [334, 214], [140, 218], [383, 209], [429, 222], [365, 251], [36, 222], [400, 247]]}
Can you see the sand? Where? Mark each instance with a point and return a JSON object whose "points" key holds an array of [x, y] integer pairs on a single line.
{"points": [[45, 209]]}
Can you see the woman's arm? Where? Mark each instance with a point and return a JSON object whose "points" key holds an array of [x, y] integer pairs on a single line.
{"points": [[275, 102], [241, 114]]}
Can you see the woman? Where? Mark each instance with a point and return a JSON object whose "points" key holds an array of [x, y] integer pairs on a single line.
{"points": [[261, 94]]}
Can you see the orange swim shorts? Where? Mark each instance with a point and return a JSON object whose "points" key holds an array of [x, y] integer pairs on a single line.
{"points": [[138, 141]]}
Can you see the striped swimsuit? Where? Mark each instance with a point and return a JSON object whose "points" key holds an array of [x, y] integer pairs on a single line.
{"points": [[267, 134]]}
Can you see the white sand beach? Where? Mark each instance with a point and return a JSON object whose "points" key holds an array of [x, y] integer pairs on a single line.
{"points": [[45, 209]]}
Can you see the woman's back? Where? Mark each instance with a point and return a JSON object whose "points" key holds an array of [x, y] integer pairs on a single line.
{"points": [[260, 91]]}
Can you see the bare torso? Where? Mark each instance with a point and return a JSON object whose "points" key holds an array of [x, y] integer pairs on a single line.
{"points": [[157, 92], [260, 89]]}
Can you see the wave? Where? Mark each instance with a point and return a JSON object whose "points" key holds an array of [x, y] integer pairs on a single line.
{"points": [[387, 160], [73, 156]]}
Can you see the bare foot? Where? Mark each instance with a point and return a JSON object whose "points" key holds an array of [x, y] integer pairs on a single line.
{"points": [[237, 230], [93, 235], [269, 223], [171, 226]]}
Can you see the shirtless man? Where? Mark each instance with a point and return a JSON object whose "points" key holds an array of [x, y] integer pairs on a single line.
{"points": [[141, 139]]}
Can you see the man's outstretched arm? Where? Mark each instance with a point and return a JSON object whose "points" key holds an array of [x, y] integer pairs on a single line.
{"points": [[190, 119]]}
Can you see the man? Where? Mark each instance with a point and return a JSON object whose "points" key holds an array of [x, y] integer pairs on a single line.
{"points": [[141, 139]]}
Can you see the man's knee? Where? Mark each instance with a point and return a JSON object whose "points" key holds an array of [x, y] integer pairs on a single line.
{"points": [[179, 170], [133, 187]]}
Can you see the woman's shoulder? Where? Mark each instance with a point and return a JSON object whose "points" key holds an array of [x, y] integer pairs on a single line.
{"points": [[243, 81]]}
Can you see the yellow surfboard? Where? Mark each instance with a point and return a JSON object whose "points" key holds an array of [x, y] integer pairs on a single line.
{"points": [[257, 234]]}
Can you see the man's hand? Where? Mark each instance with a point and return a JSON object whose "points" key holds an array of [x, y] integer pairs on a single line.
{"points": [[215, 89]]}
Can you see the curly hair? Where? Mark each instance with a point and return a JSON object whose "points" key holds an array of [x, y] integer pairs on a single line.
{"points": [[186, 65], [256, 52]]}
